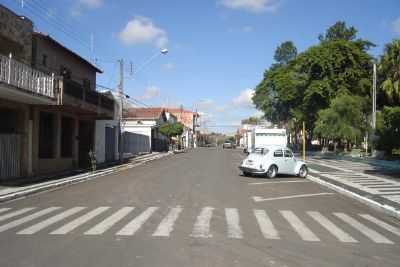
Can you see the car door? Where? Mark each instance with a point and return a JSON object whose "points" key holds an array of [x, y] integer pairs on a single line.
{"points": [[279, 160], [289, 161]]}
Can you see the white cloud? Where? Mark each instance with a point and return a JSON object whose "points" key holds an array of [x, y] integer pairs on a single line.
{"points": [[141, 30], [396, 26], [255, 6], [150, 92], [204, 105], [91, 3], [244, 99], [247, 29], [168, 66]]}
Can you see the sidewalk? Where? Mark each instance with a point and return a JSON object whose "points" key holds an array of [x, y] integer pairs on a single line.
{"points": [[12, 192], [352, 179]]}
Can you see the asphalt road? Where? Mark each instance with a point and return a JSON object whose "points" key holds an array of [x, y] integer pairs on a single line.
{"points": [[195, 209]]}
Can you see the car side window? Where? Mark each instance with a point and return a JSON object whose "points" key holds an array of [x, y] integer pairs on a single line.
{"points": [[288, 154], [278, 153]]}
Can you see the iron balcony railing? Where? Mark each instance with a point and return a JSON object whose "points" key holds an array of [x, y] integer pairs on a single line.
{"points": [[24, 77]]}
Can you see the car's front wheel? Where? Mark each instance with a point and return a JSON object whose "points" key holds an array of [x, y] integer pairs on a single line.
{"points": [[272, 171], [303, 171]]}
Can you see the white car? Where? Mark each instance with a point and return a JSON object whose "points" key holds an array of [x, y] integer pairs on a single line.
{"points": [[273, 160]]}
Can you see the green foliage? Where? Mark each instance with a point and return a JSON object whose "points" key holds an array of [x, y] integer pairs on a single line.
{"points": [[171, 129], [388, 129], [339, 31], [285, 53], [389, 68], [343, 119], [251, 120]]}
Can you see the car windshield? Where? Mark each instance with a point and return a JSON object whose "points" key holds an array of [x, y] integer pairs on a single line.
{"points": [[261, 151]]}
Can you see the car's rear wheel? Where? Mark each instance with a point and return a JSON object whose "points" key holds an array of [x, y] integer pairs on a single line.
{"points": [[246, 174], [303, 171], [272, 171]]}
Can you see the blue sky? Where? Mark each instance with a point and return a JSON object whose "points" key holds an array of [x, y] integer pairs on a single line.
{"points": [[218, 49]]}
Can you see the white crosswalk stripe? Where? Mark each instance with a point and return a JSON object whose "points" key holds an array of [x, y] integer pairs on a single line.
{"points": [[202, 226], [52, 220], [304, 232], [15, 213], [109, 222], [79, 221], [331, 227], [382, 224], [233, 222], [267, 228], [372, 234], [204, 222], [4, 210], [133, 226], [167, 224], [28, 218]]}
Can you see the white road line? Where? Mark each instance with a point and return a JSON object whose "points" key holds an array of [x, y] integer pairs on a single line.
{"points": [[233, 222], [331, 227], [52, 220], [28, 218], [304, 232], [107, 223], [371, 234], [133, 226], [281, 182], [4, 210], [79, 221], [267, 228], [201, 228], [260, 199], [15, 213], [382, 224], [167, 224]]}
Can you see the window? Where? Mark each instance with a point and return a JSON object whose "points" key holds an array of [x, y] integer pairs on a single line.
{"points": [[44, 60], [278, 153], [67, 137], [288, 154], [261, 151], [46, 135]]}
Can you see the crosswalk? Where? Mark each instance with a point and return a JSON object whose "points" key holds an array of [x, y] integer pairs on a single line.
{"points": [[308, 226], [352, 174]]}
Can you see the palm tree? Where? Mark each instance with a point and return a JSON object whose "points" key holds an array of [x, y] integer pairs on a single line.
{"points": [[390, 70]]}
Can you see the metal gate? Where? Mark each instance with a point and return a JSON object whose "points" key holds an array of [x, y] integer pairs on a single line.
{"points": [[110, 144], [10, 155]]}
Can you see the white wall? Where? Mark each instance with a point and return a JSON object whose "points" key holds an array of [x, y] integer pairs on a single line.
{"points": [[144, 128], [100, 139]]}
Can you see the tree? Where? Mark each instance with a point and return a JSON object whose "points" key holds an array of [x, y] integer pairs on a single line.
{"points": [[251, 120], [388, 129], [285, 52], [343, 119], [389, 68], [339, 31], [171, 129]]}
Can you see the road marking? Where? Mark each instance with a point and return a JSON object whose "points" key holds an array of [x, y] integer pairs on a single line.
{"points": [[202, 226], [382, 224], [281, 182], [15, 213], [4, 210], [133, 226], [28, 218], [52, 220], [167, 224], [313, 170], [331, 227], [233, 222], [79, 221], [260, 199], [371, 234], [267, 228], [107, 223], [304, 232]]}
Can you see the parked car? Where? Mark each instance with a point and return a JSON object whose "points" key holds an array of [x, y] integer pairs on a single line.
{"points": [[273, 160], [228, 145]]}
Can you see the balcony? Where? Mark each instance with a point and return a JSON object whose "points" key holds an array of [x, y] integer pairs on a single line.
{"points": [[88, 102], [21, 83]]}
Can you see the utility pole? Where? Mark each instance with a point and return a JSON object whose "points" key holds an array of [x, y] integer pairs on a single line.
{"points": [[373, 109], [121, 102], [304, 141]]}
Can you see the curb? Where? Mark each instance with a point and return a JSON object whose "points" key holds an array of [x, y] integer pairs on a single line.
{"points": [[374, 204], [77, 179]]}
